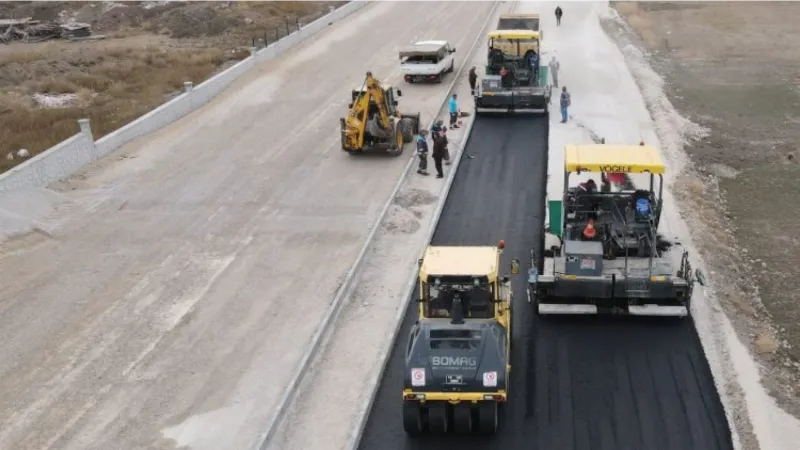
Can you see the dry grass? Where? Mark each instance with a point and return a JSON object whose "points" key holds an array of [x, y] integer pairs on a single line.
{"points": [[141, 65], [639, 20], [115, 86]]}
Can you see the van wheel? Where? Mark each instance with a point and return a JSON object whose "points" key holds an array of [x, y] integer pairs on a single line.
{"points": [[412, 418], [437, 419], [451, 68]]}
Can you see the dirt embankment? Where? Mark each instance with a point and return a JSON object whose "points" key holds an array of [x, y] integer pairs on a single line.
{"points": [[150, 50], [732, 67]]}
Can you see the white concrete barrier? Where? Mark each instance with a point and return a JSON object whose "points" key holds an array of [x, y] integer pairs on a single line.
{"points": [[69, 156], [57, 162]]}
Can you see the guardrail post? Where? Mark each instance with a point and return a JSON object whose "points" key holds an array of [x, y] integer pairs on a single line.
{"points": [[187, 87], [253, 51], [86, 129]]}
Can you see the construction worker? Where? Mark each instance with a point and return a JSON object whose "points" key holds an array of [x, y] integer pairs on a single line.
{"points": [[505, 77], [554, 66], [443, 135], [566, 101], [473, 79], [559, 13], [534, 60], [584, 203], [588, 186], [439, 150], [422, 153], [453, 108], [437, 128]]}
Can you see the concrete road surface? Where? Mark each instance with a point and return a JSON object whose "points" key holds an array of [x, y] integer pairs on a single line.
{"points": [[186, 272]]}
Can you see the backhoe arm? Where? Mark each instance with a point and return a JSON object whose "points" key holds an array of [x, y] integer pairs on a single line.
{"points": [[356, 122]]}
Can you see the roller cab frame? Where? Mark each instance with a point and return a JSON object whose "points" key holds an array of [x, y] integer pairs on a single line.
{"points": [[374, 122], [602, 252], [458, 354], [511, 84]]}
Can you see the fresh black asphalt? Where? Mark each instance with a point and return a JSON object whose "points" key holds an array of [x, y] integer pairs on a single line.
{"points": [[576, 384]]}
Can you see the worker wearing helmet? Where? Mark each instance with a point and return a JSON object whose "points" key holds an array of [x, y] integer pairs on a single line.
{"points": [[422, 153], [588, 186]]}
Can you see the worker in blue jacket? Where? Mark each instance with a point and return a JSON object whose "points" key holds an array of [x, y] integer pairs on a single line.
{"points": [[422, 153], [534, 61], [453, 108]]}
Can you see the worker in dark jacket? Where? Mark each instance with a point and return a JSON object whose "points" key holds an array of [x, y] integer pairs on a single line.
{"points": [[559, 13], [566, 102], [422, 153], [473, 79], [436, 128], [439, 151]]}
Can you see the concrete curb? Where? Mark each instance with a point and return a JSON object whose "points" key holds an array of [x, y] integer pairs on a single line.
{"points": [[378, 374], [366, 409], [71, 155], [347, 287]]}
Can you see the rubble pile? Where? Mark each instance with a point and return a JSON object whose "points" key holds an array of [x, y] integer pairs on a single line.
{"points": [[32, 31]]}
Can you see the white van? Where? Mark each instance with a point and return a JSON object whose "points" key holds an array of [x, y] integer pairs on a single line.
{"points": [[427, 61]]}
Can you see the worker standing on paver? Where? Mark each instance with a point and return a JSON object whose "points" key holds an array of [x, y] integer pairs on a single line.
{"points": [[453, 108], [473, 79], [566, 101], [554, 66], [534, 61], [559, 13], [422, 153]]}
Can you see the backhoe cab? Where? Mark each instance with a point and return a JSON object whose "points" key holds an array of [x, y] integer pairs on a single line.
{"points": [[457, 361], [374, 122]]}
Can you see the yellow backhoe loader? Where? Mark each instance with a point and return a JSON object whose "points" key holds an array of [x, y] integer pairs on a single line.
{"points": [[374, 123]]}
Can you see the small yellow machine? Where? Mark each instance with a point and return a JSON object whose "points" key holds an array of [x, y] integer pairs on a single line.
{"points": [[374, 123], [458, 356]]}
